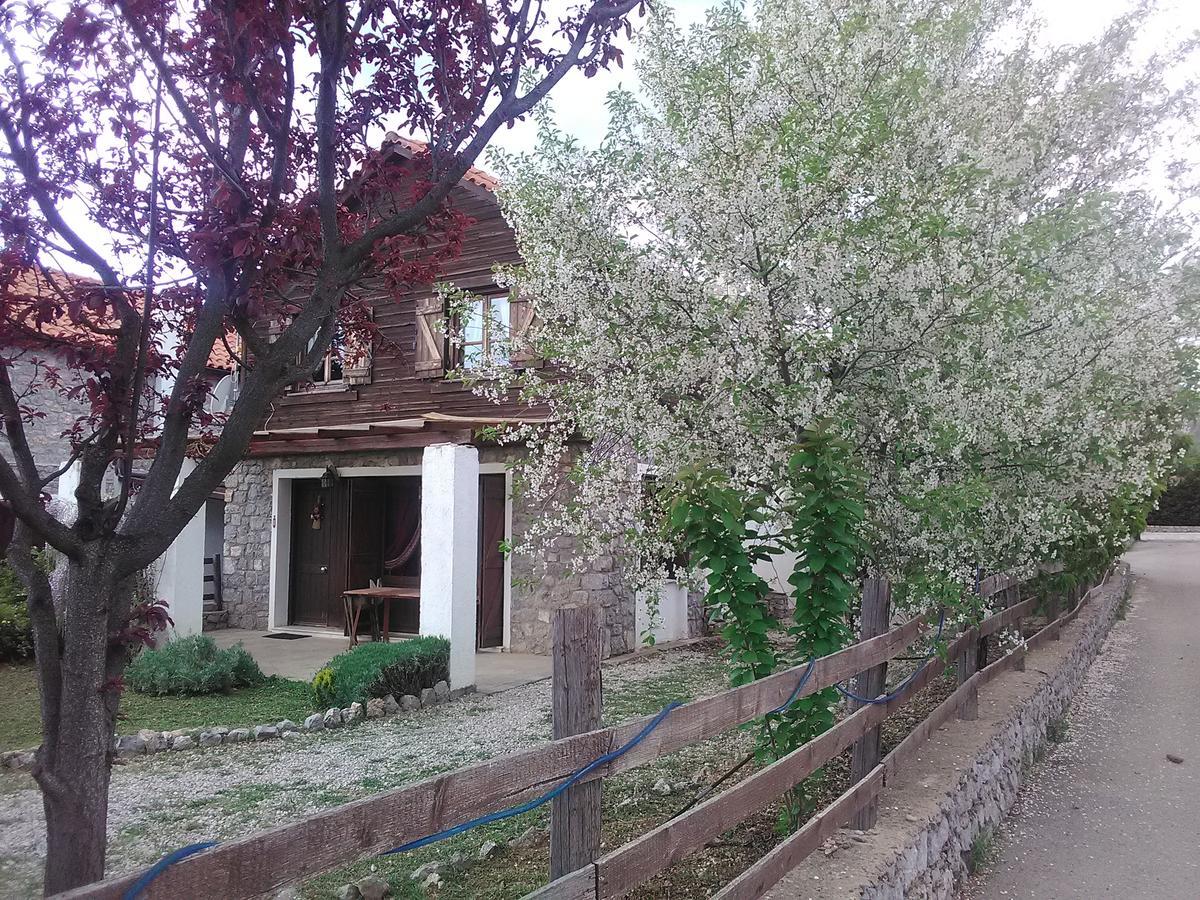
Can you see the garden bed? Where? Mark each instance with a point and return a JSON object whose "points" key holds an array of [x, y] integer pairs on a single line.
{"points": [[274, 699]]}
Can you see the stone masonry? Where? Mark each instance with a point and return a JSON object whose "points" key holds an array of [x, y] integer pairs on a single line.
{"points": [[539, 586], [50, 449], [964, 782]]}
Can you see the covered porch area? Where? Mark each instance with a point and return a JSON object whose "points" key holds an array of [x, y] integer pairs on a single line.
{"points": [[421, 533]]}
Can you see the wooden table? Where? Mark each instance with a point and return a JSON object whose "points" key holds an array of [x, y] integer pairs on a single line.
{"points": [[374, 597]]}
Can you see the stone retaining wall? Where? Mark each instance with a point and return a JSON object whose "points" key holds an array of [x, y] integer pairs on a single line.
{"points": [[933, 854]]}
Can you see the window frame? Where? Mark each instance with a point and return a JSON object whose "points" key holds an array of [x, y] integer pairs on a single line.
{"points": [[487, 338]]}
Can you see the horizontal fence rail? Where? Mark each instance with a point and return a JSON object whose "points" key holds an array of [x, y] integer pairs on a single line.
{"points": [[266, 861], [635, 863]]}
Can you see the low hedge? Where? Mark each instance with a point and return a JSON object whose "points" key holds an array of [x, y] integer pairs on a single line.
{"points": [[378, 669], [192, 665]]}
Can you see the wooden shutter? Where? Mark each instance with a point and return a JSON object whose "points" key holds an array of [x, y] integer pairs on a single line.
{"points": [[521, 318], [356, 358], [430, 351]]}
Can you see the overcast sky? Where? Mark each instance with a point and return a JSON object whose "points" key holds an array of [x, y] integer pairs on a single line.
{"points": [[579, 102]]}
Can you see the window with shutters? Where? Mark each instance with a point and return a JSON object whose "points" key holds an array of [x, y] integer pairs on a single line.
{"points": [[328, 371], [491, 330]]}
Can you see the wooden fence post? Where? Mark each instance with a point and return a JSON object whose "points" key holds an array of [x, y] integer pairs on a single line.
{"points": [[1058, 605], [876, 615], [1014, 597], [969, 709], [577, 706]]}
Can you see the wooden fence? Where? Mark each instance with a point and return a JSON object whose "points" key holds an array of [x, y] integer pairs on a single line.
{"points": [[264, 862]]}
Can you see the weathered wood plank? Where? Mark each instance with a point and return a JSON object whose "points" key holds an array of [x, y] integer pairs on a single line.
{"points": [[1007, 617], [638, 861], [902, 754], [711, 716], [577, 885], [268, 860], [767, 872]]}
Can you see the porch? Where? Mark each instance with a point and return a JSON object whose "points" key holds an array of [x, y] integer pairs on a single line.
{"points": [[302, 657], [428, 524]]}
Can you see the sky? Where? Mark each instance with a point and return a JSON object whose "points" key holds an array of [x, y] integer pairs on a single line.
{"points": [[579, 102]]}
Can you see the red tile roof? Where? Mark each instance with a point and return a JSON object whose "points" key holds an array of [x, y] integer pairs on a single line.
{"points": [[474, 175], [53, 284]]}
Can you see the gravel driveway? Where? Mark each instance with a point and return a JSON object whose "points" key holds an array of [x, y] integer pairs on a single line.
{"points": [[160, 802]]}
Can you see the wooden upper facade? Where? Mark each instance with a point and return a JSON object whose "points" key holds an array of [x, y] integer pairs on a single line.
{"points": [[404, 378]]}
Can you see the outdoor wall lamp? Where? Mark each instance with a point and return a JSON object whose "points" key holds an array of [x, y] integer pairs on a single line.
{"points": [[328, 477]]}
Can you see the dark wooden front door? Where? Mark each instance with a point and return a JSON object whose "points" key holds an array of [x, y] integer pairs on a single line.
{"points": [[318, 525], [490, 621]]}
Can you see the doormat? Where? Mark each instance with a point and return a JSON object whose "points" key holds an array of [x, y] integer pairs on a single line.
{"points": [[284, 636]]}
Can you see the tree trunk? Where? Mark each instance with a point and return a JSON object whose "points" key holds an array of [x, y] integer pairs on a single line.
{"points": [[79, 667]]}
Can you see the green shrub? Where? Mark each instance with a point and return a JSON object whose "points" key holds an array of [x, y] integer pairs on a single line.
{"points": [[378, 669], [192, 665], [426, 662], [16, 637], [1180, 502]]}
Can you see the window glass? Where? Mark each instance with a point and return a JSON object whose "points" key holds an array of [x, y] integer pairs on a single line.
{"points": [[485, 331], [328, 369]]}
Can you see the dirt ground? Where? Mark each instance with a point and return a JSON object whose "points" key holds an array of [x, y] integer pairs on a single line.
{"points": [[1109, 813]]}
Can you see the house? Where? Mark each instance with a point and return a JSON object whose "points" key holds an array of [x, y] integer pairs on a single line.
{"points": [[58, 412], [376, 471]]}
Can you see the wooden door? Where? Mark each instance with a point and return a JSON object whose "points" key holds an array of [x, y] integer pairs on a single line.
{"points": [[314, 542], [490, 608]]}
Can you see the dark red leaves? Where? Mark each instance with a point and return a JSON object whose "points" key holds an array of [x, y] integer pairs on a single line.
{"points": [[236, 210], [146, 621]]}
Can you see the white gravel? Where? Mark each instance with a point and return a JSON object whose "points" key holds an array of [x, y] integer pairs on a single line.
{"points": [[166, 800]]}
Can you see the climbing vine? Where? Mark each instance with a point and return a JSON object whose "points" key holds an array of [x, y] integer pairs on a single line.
{"points": [[715, 523], [726, 531], [826, 514]]}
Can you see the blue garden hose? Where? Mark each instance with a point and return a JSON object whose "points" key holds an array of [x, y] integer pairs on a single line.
{"points": [[161, 866], [899, 689]]}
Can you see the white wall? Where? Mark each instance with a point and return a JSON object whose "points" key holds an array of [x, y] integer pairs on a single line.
{"points": [[450, 552], [181, 571], [670, 619]]}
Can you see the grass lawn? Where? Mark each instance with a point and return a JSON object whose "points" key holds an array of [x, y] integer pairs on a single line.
{"points": [[275, 699]]}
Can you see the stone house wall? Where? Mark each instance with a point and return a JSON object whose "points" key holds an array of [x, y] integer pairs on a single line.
{"points": [[538, 586], [50, 449]]}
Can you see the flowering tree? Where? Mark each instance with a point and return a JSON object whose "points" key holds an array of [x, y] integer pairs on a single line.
{"points": [[212, 167], [907, 226]]}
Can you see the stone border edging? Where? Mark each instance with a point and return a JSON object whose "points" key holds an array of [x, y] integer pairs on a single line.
{"points": [[148, 741], [932, 862]]}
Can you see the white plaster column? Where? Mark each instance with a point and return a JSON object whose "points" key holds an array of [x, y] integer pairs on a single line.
{"points": [[181, 571], [450, 552]]}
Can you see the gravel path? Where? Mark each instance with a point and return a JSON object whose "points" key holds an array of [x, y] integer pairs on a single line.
{"points": [[1108, 814], [163, 801]]}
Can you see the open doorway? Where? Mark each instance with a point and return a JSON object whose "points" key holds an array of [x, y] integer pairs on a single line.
{"points": [[347, 535], [361, 529]]}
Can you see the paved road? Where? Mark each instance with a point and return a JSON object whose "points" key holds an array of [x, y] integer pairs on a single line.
{"points": [[1107, 815]]}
